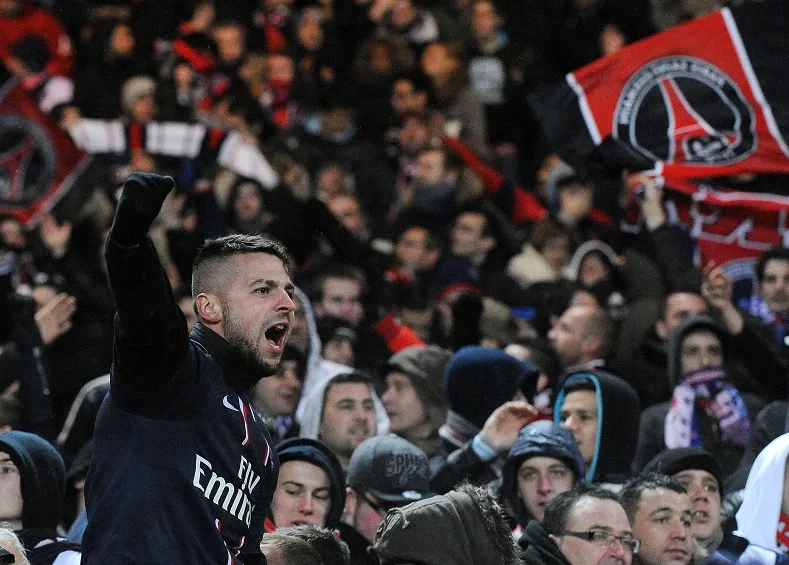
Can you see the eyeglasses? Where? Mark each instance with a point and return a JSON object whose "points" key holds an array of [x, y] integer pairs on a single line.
{"points": [[606, 538], [381, 509]]}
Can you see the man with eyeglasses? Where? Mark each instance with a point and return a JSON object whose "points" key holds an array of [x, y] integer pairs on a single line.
{"points": [[384, 472], [585, 525], [659, 510]]}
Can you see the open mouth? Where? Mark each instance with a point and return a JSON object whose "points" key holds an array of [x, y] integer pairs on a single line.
{"points": [[701, 516], [276, 336]]}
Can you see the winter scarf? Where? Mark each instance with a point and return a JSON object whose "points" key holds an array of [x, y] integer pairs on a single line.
{"points": [[709, 389]]}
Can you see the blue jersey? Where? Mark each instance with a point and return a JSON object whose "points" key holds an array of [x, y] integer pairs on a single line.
{"points": [[183, 469]]}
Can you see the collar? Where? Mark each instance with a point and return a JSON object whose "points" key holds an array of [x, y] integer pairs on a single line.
{"points": [[233, 372], [587, 366]]}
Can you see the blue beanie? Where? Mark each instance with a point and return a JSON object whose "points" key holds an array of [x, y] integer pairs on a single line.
{"points": [[479, 379]]}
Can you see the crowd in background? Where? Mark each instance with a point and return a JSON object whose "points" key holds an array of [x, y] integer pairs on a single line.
{"points": [[455, 281]]}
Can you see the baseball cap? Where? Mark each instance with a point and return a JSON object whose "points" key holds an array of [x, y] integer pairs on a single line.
{"points": [[390, 468]]}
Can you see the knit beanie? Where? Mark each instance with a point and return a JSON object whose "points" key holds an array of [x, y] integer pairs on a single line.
{"points": [[673, 461], [479, 379], [425, 366]]}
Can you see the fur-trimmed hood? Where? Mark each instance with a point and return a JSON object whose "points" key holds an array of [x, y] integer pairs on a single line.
{"points": [[464, 527]]}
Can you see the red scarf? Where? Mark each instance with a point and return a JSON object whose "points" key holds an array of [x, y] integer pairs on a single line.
{"points": [[782, 534]]}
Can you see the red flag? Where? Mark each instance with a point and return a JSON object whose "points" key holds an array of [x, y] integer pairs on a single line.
{"points": [[39, 162], [703, 99]]}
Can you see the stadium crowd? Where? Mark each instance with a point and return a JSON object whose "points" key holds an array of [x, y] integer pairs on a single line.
{"points": [[480, 365]]}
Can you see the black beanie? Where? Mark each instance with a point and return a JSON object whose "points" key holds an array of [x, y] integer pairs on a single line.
{"points": [[32, 50], [673, 461], [318, 453], [479, 379], [43, 478]]}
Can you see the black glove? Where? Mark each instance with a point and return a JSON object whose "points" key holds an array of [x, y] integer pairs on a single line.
{"points": [[141, 199]]}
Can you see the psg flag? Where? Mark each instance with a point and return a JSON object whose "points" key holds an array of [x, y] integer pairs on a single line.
{"points": [[39, 163], [707, 98]]}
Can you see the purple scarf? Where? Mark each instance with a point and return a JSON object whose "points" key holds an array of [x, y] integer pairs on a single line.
{"points": [[709, 389]]}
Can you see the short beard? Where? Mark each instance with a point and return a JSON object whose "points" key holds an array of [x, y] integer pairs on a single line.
{"points": [[245, 352]]}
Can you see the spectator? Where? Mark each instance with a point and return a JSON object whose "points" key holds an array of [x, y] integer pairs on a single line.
{"points": [[582, 337], [659, 511], [278, 396], [385, 472], [483, 418], [28, 61], [343, 411], [762, 517], [310, 489], [34, 485], [464, 112], [19, 18], [338, 340], [415, 400], [543, 463], [706, 409], [282, 549], [701, 474], [464, 526], [772, 273], [601, 411], [333, 551], [582, 526], [339, 292]]}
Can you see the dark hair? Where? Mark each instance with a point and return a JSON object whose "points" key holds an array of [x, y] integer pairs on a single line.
{"points": [[558, 509], [777, 253], [295, 551], [332, 550], [338, 271], [219, 249], [630, 495], [419, 80], [451, 160], [546, 230], [352, 377]]}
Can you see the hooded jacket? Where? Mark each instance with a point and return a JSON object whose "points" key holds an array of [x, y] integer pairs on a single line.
{"points": [[618, 410], [43, 478], [538, 439], [318, 368], [425, 366], [318, 453], [43, 483], [757, 518], [463, 527], [538, 549], [651, 439], [310, 411]]}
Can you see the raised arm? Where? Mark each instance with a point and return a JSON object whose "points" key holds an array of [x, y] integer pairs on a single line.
{"points": [[150, 332]]}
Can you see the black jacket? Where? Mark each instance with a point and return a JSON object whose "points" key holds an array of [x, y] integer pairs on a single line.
{"points": [[617, 424], [183, 469], [538, 549]]}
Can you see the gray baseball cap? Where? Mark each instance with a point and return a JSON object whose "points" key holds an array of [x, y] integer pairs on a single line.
{"points": [[391, 468]]}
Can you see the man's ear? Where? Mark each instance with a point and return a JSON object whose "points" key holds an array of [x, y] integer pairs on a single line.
{"points": [[350, 501], [209, 309], [661, 330], [591, 345]]}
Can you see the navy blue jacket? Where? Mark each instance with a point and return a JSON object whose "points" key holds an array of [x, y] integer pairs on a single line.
{"points": [[183, 471]]}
